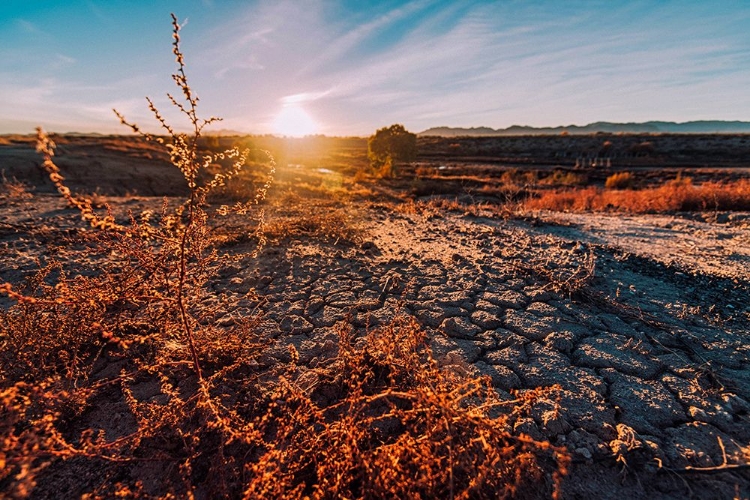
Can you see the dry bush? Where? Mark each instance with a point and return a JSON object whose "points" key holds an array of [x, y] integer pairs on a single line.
{"points": [[144, 308], [361, 176], [240, 187], [386, 170], [435, 206], [561, 178], [116, 379], [412, 207], [380, 421], [426, 171], [519, 178], [13, 189], [399, 427], [676, 195], [645, 148], [334, 226], [620, 180]]}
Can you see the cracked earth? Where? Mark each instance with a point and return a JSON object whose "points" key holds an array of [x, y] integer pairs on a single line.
{"points": [[648, 344]]}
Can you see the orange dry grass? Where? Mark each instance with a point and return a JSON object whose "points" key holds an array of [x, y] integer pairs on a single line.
{"points": [[399, 427], [620, 180], [680, 195], [380, 420]]}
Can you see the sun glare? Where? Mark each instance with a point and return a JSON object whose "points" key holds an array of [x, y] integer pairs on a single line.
{"points": [[294, 121]]}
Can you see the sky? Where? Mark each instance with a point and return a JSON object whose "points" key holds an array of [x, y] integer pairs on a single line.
{"points": [[349, 67]]}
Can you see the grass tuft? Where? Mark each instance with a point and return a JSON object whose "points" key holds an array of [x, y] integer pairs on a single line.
{"points": [[620, 180]]}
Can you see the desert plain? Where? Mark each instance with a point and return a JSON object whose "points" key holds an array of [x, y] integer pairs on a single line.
{"points": [[639, 322]]}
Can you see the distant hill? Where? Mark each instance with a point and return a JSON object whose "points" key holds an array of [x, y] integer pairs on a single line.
{"points": [[695, 127]]}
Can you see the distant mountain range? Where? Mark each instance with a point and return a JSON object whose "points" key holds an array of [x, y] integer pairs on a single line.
{"points": [[695, 127]]}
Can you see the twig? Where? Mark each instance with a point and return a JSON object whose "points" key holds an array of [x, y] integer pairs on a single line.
{"points": [[718, 469]]}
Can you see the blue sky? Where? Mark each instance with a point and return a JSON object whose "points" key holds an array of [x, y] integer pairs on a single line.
{"points": [[350, 67]]}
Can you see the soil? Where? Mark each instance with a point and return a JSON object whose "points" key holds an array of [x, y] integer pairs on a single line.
{"points": [[643, 321]]}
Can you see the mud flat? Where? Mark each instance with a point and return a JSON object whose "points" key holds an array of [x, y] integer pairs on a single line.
{"points": [[647, 341]]}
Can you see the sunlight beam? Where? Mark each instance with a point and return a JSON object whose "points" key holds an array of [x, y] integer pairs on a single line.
{"points": [[293, 121]]}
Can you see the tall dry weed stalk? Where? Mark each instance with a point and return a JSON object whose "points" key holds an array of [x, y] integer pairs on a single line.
{"points": [[144, 308], [116, 380]]}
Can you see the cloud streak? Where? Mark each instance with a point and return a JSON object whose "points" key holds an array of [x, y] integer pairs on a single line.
{"points": [[358, 66], [490, 63]]}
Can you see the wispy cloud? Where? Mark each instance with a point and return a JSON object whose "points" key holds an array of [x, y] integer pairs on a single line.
{"points": [[355, 66], [28, 26], [64, 106], [304, 97], [97, 11], [495, 64]]}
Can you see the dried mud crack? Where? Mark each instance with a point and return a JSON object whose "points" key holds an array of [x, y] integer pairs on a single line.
{"points": [[652, 358], [654, 373]]}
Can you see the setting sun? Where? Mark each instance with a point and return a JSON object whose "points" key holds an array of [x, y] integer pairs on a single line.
{"points": [[293, 121]]}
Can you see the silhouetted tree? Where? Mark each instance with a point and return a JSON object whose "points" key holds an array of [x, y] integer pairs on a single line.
{"points": [[390, 146]]}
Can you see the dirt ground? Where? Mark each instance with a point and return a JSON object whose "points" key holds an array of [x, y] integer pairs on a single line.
{"points": [[643, 321]]}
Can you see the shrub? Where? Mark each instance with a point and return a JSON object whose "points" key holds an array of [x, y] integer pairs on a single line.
{"points": [[390, 146], [561, 178], [426, 171], [13, 189], [620, 180], [645, 148], [142, 308], [517, 177]]}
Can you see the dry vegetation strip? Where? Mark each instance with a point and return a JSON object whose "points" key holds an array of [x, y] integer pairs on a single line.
{"points": [[678, 195]]}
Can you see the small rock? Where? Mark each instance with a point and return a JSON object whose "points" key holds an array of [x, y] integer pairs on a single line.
{"points": [[607, 431], [554, 422], [295, 325], [237, 284], [513, 355], [561, 341], [734, 403], [486, 320], [698, 414], [314, 305], [527, 426], [430, 318], [542, 309], [459, 327], [647, 406], [501, 376], [507, 298]]}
